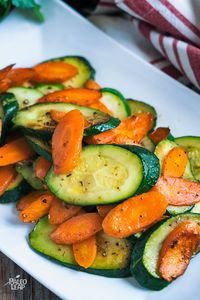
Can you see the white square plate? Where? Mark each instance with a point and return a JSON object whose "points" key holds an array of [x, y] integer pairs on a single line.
{"points": [[64, 32]]}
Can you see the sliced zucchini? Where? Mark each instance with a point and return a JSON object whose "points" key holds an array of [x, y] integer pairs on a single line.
{"points": [[26, 169], [162, 150], [192, 145], [8, 109], [85, 70], [196, 208], [17, 189], [112, 259], [40, 147], [25, 96], [37, 120], [106, 174], [146, 251], [147, 143], [115, 102], [176, 210], [49, 88], [137, 107]]}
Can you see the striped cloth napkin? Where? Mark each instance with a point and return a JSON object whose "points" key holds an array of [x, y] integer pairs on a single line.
{"points": [[172, 27]]}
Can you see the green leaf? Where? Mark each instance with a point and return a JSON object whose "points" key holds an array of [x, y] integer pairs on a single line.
{"points": [[38, 13], [24, 3]]}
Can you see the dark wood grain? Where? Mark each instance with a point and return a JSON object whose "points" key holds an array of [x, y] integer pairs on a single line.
{"points": [[33, 289]]}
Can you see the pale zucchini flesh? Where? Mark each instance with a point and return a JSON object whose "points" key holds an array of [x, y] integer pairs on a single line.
{"points": [[105, 174], [112, 259], [25, 96]]}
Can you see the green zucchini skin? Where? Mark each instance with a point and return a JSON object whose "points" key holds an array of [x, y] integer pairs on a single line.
{"points": [[35, 120], [26, 169], [144, 258], [116, 103], [86, 71], [16, 193], [40, 242], [40, 147], [151, 167], [138, 270], [9, 109]]}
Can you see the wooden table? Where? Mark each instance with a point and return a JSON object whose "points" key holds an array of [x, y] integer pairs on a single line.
{"points": [[33, 289]]}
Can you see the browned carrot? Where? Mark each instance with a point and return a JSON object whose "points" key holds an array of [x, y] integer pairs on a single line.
{"points": [[37, 209], [103, 210], [93, 85], [161, 133], [100, 106], [20, 75], [175, 163], [135, 214], [41, 168], [85, 252], [14, 152], [178, 191], [4, 72], [7, 174], [130, 131], [25, 201], [79, 96], [177, 250], [77, 229], [58, 115], [5, 84], [60, 212], [54, 72], [67, 142]]}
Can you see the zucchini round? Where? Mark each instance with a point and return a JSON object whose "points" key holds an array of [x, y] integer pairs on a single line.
{"points": [[41, 147], [36, 120], [192, 145], [173, 210], [146, 251], [115, 102], [106, 174], [17, 189], [113, 255], [8, 109], [85, 70], [25, 96], [26, 169]]}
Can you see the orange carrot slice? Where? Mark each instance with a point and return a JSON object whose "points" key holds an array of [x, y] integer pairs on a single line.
{"points": [[60, 212], [77, 229], [175, 163], [37, 209], [103, 210], [25, 201], [78, 96], [54, 72], [5, 84], [85, 252], [134, 214], [161, 133], [58, 115], [100, 106], [41, 168], [20, 75], [67, 142], [178, 191], [93, 85], [177, 250], [4, 72], [14, 152], [130, 131], [7, 174]]}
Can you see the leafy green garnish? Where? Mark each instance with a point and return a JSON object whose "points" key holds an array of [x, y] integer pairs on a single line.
{"points": [[6, 6]]}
